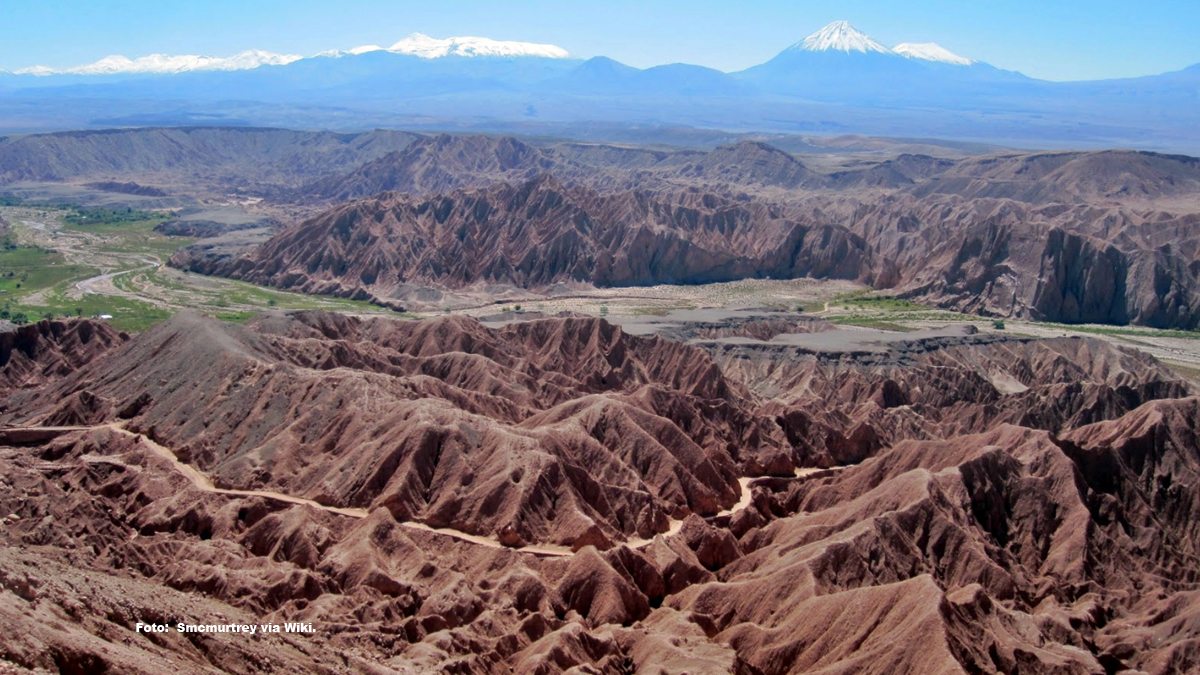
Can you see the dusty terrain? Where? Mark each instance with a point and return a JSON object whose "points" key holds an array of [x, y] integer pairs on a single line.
{"points": [[570, 456], [1079, 237], [1102, 237], [539, 233], [535, 495], [167, 160]]}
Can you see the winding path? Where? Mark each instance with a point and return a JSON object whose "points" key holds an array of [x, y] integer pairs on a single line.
{"points": [[102, 284], [83, 248], [202, 482]]}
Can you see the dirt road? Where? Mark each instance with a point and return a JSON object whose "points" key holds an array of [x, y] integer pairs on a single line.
{"points": [[201, 481]]}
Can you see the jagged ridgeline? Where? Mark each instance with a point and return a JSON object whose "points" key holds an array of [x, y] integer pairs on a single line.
{"points": [[1104, 237], [815, 367], [557, 493]]}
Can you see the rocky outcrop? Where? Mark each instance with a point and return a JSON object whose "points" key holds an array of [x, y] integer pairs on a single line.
{"points": [[37, 353], [1069, 177], [1078, 237], [232, 156], [1056, 262], [988, 546], [837, 408], [607, 502], [1080, 283], [447, 422], [537, 233], [443, 163], [438, 164]]}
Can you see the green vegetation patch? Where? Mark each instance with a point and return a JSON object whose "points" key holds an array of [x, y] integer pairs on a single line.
{"points": [[36, 283], [886, 312], [106, 219], [27, 269], [235, 317], [136, 236], [1125, 331], [867, 299], [127, 314]]}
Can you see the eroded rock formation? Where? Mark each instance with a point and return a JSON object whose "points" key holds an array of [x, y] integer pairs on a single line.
{"points": [[557, 494]]}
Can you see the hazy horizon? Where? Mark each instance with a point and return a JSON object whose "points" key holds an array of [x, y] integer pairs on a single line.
{"points": [[1112, 40]]}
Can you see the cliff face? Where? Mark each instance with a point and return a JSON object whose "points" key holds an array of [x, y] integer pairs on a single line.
{"points": [[1065, 262], [1079, 237], [34, 354], [1086, 280], [1080, 282], [541, 232]]}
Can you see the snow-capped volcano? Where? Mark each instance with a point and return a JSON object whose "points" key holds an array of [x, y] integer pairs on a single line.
{"points": [[930, 51], [840, 36], [841, 63]]}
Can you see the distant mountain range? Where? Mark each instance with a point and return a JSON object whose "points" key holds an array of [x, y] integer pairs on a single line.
{"points": [[837, 80]]}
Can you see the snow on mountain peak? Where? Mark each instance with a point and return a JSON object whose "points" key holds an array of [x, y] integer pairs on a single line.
{"points": [[930, 51], [168, 63], [426, 47], [416, 44], [841, 36]]}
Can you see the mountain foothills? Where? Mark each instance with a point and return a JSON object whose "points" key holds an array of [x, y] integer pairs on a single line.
{"points": [[559, 494], [837, 80], [221, 158], [1104, 237]]}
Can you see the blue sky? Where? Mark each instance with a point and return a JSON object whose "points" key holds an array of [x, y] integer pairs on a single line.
{"points": [[1061, 40]]}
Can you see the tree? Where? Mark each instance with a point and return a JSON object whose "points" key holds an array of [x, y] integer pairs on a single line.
{"points": [[998, 324]]}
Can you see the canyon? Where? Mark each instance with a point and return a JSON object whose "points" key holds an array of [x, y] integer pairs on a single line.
{"points": [[760, 412], [1103, 237], [554, 493]]}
